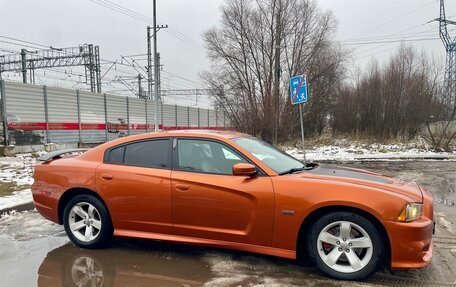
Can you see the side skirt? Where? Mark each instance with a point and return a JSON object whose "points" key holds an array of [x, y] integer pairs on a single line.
{"points": [[290, 254]]}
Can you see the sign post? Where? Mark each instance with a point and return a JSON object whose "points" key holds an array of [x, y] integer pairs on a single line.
{"points": [[298, 94]]}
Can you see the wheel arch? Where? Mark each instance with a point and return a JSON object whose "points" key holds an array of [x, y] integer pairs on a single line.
{"points": [[72, 192], [314, 215]]}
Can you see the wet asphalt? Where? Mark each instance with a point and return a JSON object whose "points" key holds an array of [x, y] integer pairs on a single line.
{"points": [[36, 252]]}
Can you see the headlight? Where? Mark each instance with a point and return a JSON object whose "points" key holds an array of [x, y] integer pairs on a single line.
{"points": [[411, 212]]}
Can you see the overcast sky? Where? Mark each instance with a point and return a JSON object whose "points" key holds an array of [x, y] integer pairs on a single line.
{"points": [[66, 23]]}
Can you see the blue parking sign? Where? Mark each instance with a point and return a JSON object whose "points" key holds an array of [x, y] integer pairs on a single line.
{"points": [[298, 90]]}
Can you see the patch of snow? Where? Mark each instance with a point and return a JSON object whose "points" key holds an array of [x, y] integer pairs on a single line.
{"points": [[366, 152], [18, 169], [16, 198], [27, 225], [442, 221]]}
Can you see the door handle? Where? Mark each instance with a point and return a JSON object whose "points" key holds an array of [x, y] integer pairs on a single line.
{"points": [[182, 187], [107, 176]]}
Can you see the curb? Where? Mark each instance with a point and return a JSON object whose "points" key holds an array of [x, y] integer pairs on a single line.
{"points": [[388, 159], [429, 157], [19, 207]]}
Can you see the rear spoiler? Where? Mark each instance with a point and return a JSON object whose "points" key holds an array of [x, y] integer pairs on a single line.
{"points": [[50, 156]]}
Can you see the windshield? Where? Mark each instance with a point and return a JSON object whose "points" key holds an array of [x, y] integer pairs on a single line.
{"points": [[274, 158]]}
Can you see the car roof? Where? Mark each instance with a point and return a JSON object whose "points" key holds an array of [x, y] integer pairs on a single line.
{"points": [[95, 153], [215, 134], [227, 134]]}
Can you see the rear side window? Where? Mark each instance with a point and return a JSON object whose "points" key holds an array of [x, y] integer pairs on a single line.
{"points": [[149, 154], [116, 155], [152, 153]]}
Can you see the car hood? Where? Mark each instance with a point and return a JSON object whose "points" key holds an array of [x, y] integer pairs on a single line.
{"points": [[364, 177]]}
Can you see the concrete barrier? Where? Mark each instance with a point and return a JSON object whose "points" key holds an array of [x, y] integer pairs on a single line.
{"points": [[7, 151]]}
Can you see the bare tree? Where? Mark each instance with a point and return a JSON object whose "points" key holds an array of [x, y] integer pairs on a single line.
{"points": [[391, 101], [441, 124], [242, 74]]}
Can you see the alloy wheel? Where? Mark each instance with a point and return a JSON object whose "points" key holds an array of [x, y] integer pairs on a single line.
{"points": [[84, 221], [344, 246]]}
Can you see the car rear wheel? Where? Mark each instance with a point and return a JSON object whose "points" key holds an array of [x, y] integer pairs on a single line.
{"points": [[345, 246], [87, 222]]}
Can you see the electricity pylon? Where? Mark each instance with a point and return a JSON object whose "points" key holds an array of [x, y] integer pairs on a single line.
{"points": [[450, 68]]}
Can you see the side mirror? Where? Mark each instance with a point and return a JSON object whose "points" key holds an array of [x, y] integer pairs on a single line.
{"points": [[244, 169]]}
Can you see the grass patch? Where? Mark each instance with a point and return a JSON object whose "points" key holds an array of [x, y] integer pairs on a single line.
{"points": [[7, 187]]}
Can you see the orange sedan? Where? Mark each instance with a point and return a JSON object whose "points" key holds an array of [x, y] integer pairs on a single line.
{"points": [[231, 190]]}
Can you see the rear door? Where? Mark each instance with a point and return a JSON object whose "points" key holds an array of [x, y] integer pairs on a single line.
{"points": [[210, 202], [135, 182]]}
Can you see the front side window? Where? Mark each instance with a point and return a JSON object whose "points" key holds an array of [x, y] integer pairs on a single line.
{"points": [[274, 158], [206, 156], [153, 153]]}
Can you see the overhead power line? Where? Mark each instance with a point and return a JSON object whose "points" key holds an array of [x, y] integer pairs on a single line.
{"points": [[17, 44], [427, 32], [22, 41], [371, 49], [182, 78], [394, 19], [393, 41], [133, 14]]}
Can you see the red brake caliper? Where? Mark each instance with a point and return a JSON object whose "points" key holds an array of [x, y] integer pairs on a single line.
{"points": [[326, 245]]}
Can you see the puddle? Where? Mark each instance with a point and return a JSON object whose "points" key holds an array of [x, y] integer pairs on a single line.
{"points": [[73, 266]]}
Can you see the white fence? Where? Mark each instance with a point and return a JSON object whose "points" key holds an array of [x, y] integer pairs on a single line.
{"points": [[34, 114]]}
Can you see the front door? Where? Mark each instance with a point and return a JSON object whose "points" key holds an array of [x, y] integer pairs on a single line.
{"points": [[135, 181], [210, 202]]}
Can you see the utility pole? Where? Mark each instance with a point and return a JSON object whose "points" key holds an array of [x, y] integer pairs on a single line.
{"points": [[276, 92], [156, 80], [149, 64], [24, 65], [155, 68], [32, 73], [140, 93], [97, 68], [159, 77]]}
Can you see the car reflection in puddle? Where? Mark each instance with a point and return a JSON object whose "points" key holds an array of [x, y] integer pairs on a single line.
{"points": [[71, 266]]}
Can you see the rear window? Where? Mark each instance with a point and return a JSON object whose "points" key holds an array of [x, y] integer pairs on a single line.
{"points": [[152, 153]]}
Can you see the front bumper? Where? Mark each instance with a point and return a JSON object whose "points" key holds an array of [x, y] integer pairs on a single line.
{"points": [[411, 242]]}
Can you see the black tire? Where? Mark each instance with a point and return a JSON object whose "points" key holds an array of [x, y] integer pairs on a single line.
{"points": [[378, 247], [105, 233]]}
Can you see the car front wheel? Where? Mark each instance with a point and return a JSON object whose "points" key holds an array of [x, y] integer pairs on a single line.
{"points": [[345, 246], [87, 222]]}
